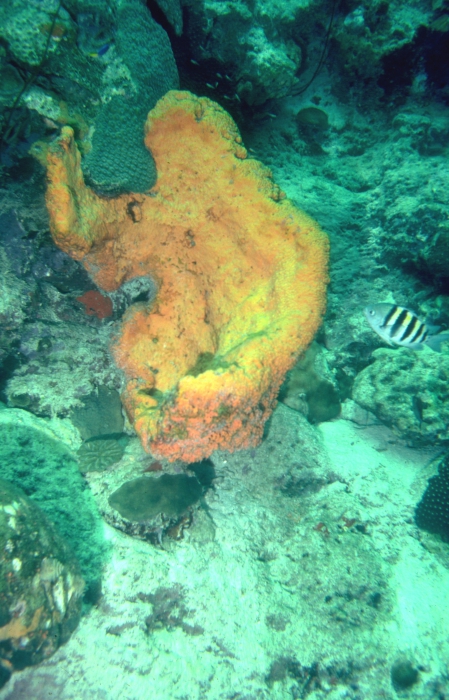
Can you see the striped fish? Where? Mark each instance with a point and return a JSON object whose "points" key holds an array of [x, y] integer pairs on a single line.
{"points": [[397, 325]]}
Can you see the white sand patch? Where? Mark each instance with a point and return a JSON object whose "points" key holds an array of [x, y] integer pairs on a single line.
{"points": [[305, 577]]}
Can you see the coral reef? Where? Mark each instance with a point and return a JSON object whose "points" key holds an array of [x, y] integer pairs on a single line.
{"points": [[275, 49], [376, 39], [408, 391], [241, 275], [41, 38], [255, 41], [102, 65], [40, 584], [303, 566], [18, 29]]}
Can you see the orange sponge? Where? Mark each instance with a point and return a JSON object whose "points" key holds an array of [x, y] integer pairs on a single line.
{"points": [[241, 277]]}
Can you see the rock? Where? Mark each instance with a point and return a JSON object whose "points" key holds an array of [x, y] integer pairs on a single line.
{"points": [[309, 388], [40, 584], [408, 391], [34, 458], [100, 414], [255, 44]]}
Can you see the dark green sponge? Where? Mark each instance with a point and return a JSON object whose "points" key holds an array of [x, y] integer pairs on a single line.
{"points": [[145, 48], [119, 161]]}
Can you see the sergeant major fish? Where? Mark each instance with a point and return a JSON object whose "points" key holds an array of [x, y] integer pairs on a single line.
{"points": [[399, 326]]}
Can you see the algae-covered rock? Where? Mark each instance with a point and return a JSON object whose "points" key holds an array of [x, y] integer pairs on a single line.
{"points": [[48, 472], [408, 209], [40, 584], [254, 40], [409, 391], [100, 414], [309, 388], [69, 363]]}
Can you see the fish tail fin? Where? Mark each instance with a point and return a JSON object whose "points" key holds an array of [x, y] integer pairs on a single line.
{"points": [[432, 329], [434, 341]]}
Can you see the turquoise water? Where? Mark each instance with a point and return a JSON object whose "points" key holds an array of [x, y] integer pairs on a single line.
{"points": [[314, 562]]}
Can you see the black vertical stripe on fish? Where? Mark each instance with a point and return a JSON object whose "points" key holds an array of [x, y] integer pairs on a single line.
{"points": [[411, 327], [397, 325], [389, 316], [420, 334]]}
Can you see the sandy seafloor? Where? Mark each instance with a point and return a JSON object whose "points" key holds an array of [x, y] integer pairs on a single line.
{"points": [[287, 598]]}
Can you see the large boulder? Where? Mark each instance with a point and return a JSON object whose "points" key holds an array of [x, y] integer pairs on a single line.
{"points": [[40, 584], [409, 391]]}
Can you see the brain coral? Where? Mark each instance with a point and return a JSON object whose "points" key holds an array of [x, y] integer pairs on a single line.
{"points": [[241, 277]]}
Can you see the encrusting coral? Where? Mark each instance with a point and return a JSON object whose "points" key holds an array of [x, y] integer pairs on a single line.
{"points": [[241, 276]]}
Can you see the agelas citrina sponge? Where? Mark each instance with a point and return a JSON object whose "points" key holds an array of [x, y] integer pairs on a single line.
{"points": [[241, 276]]}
